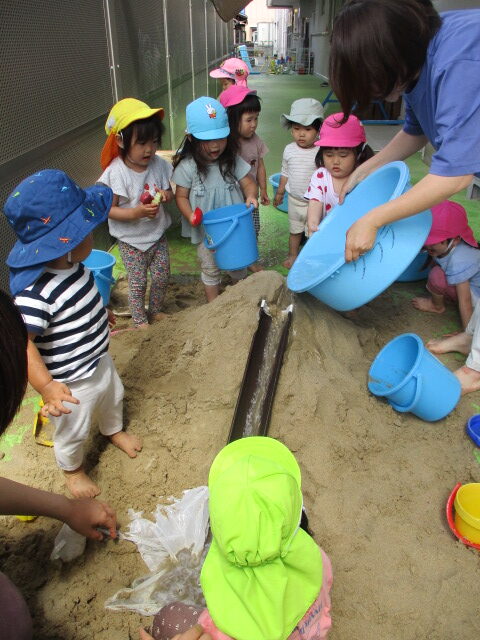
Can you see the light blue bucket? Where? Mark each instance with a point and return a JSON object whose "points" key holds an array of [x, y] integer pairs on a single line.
{"points": [[229, 231], [412, 379], [320, 267], [415, 270], [275, 181], [101, 264]]}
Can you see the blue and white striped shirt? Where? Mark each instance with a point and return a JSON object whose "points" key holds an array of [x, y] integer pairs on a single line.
{"points": [[64, 309]]}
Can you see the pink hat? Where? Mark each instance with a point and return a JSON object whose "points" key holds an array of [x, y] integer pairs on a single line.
{"points": [[449, 220], [235, 95], [334, 134], [234, 69]]}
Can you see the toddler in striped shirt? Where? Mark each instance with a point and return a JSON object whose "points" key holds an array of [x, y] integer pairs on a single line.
{"points": [[66, 320]]}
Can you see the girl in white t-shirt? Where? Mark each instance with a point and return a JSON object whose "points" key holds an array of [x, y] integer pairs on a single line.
{"points": [[140, 181], [343, 147]]}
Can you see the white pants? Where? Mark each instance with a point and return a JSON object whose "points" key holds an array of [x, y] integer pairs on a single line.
{"points": [[473, 329], [101, 397], [211, 274]]}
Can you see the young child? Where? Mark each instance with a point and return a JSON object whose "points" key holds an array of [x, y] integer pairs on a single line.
{"points": [[264, 577], [343, 147], [456, 276], [304, 121], [243, 108], [140, 181], [66, 321], [209, 175], [232, 71]]}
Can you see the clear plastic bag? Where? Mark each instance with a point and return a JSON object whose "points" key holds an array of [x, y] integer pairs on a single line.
{"points": [[68, 545], [173, 548]]}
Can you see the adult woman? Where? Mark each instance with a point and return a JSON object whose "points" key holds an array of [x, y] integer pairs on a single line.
{"points": [[381, 49]]}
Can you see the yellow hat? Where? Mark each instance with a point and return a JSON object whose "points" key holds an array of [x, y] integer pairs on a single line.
{"points": [[121, 115], [127, 111]]}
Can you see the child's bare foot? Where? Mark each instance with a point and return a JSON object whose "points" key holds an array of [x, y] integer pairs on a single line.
{"points": [[256, 267], [461, 342], [80, 485], [155, 317], [127, 442], [469, 379], [288, 262], [427, 304]]}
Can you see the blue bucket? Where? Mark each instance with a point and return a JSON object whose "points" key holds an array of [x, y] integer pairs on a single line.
{"points": [[412, 379], [275, 181], [415, 271], [101, 264], [320, 267], [229, 231]]}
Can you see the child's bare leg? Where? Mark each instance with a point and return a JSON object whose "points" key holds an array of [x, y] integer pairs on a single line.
{"points": [[469, 379], [293, 249], [80, 485], [211, 291], [434, 304], [460, 342], [127, 442]]}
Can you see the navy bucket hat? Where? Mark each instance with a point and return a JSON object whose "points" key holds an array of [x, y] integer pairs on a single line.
{"points": [[50, 215]]}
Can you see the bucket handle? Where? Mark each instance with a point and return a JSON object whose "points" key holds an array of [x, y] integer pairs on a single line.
{"points": [[418, 390], [106, 279], [229, 231]]}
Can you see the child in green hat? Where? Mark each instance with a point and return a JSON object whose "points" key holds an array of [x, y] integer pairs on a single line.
{"points": [[264, 577]]}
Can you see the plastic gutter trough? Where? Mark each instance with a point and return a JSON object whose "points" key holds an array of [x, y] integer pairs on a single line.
{"points": [[251, 374]]}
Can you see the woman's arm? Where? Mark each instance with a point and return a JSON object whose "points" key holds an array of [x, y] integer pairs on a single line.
{"points": [[314, 215], [262, 182], [53, 393], [83, 515], [400, 147], [429, 191], [127, 214], [465, 306], [250, 190]]}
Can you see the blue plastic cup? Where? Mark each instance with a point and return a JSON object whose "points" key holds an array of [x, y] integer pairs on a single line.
{"points": [[101, 265]]}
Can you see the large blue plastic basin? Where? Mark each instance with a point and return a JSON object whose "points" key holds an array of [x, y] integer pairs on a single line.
{"points": [[321, 269]]}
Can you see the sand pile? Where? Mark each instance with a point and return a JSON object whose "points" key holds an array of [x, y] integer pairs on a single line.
{"points": [[375, 481]]}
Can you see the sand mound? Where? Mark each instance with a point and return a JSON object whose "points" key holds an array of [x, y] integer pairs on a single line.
{"points": [[375, 482]]}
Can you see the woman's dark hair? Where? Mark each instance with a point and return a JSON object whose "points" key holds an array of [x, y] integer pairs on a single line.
{"points": [[190, 148], [378, 45], [13, 360], [363, 152], [146, 129], [250, 104], [316, 124]]}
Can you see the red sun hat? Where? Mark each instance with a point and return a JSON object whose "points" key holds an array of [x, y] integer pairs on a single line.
{"points": [[449, 220], [335, 134]]}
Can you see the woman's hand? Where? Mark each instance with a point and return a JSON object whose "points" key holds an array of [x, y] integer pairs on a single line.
{"points": [[360, 238], [353, 179]]}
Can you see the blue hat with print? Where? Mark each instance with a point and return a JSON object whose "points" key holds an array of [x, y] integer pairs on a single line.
{"points": [[50, 215], [207, 119]]}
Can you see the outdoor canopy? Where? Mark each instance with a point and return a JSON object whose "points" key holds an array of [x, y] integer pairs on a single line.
{"points": [[228, 9]]}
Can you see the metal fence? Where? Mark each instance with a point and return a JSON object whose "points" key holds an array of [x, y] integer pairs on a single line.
{"points": [[63, 65]]}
